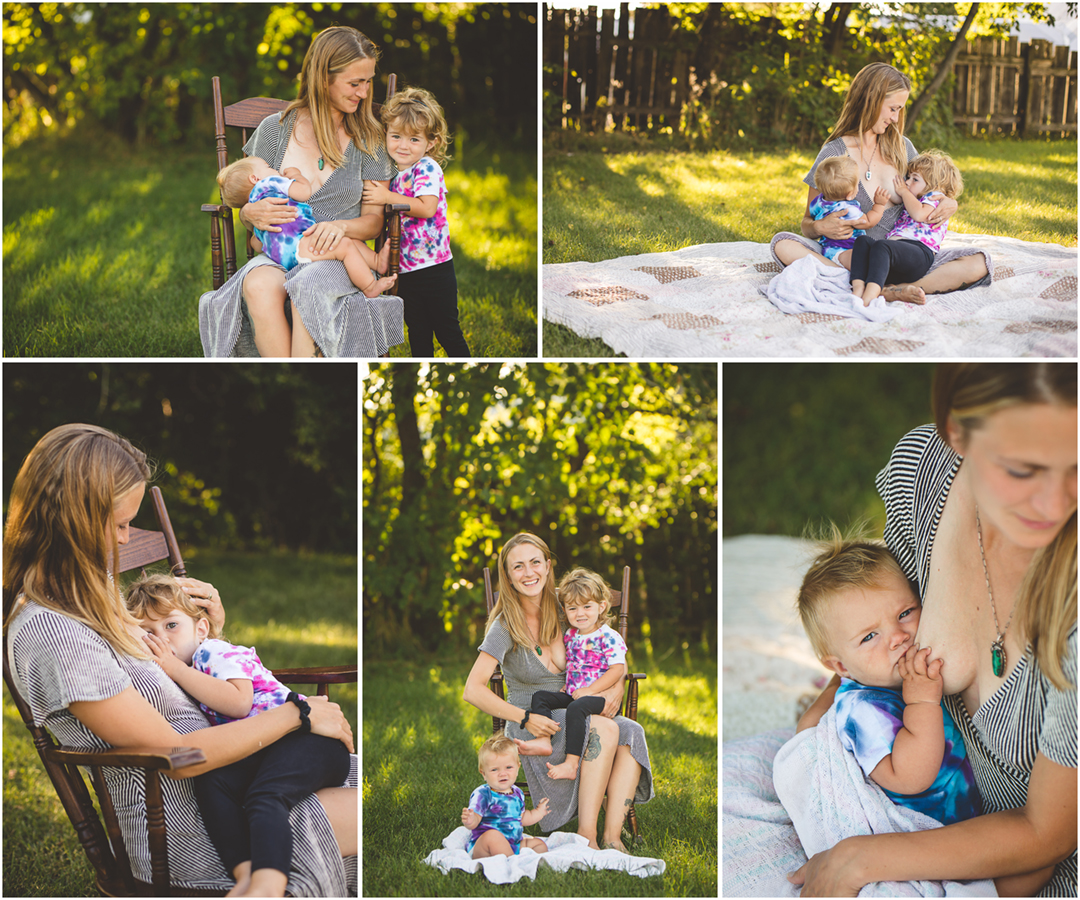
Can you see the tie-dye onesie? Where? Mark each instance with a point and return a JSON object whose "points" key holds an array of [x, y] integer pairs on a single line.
{"points": [[501, 812]]}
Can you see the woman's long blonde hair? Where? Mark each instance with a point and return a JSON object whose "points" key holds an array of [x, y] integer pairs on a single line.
{"points": [[332, 51], [59, 539], [968, 393], [509, 603], [862, 106]]}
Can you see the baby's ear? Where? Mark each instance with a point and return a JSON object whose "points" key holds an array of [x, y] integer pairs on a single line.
{"points": [[202, 629], [834, 664]]}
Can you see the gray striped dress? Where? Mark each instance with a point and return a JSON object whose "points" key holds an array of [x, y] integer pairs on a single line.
{"points": [[880, 231], [1026, 715], [525, 674], [341, 320], [57, 661]]}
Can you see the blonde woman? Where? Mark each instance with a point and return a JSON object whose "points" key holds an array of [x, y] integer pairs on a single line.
{"points": [[79, 658], [524, 636], [981, 515], [330, 134], [870, 130]]}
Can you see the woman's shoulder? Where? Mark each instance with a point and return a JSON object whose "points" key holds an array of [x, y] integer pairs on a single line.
{"points": [[44, 626]]}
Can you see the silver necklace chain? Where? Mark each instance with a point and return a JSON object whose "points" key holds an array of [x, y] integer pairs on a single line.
{"points": [[863, 157], [998, 645]]}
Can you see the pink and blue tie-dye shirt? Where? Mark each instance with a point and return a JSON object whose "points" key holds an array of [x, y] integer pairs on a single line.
{"points": [[910, 230], [588, 656], [424, 242], [224, 660]]}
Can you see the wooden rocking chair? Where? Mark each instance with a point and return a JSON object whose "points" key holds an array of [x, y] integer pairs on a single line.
{"points": [[103, 843], [246, 115], [629, 707]]}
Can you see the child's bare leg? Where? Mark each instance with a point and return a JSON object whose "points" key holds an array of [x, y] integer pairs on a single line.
{"points": [[871, 292], [567, 769], [857, 287], [491, 843], [348, 251], [242, 874], [534, 844], [540, 746], [844, 259], [267, 883]]}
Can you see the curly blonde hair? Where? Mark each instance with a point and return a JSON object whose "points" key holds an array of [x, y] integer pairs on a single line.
{"points": [[416, 111], [583, 585], [939, 172], [159, 596]]}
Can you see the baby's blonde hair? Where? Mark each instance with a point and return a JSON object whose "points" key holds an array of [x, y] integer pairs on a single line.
{"points": [[584, 585], [836, 177], [496, 745], [234, 183], [159, 596], [939, 172], [841, 563], [416, 111]]}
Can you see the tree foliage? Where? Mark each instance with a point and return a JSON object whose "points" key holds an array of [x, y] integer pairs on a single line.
{"points": [[247, 456], [143, 71], [612, 464]]}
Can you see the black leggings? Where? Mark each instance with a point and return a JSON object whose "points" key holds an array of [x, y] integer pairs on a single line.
{"points": [[543, 702], [883, 262], [431, 309], [245, 805]]}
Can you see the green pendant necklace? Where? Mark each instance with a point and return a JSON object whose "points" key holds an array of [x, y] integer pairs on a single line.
{"points": [[998, 660], [320, 163]]}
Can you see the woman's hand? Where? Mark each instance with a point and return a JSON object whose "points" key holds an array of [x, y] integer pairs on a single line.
{"points": [[270, 212], [946, 208], [328, 720], [204, 594], [541, 726], [375, 192], [325, 236], [833, 226], [613, 697], [829, 874]]}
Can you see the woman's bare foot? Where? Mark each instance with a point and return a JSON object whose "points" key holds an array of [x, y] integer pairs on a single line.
{"points": [[540, 746], [242, 874], [379, 286], [615, 845], [591, 838], [906, 293], [566, 770]]}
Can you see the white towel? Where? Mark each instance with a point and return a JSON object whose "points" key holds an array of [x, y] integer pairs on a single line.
{"points": [[829, 798], [810, 286], [565, 851]]}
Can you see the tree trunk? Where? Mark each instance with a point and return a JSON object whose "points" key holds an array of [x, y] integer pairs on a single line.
{"points": [[946, 67]]}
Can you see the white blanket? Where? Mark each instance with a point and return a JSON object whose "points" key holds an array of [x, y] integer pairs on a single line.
{"points": [[810, 286], [829, 798], [704, 302], [565, 851]]}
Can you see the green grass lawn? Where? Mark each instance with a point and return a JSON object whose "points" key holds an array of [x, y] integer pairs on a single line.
{"points": [[106, 251], [419, 764], [603, 205], [295, 610]]}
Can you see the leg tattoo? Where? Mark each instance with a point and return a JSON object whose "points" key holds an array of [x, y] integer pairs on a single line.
{"points": [[593, 749]]}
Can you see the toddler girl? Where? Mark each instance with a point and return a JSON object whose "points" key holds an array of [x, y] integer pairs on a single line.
{"points": [[496, 812], [251, 179], [908, 251], [417, 141], [838, 180], [245, 805], [595, 660]]}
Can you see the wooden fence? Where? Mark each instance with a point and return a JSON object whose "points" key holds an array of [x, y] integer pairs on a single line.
{"points": [[628, 73]]}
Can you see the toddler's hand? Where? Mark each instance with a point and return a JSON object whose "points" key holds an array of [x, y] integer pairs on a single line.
{"points": [[162, 652], [375, 193], [882, 197], [900, 185], [542, 807], [470, 818], [922, 678]]}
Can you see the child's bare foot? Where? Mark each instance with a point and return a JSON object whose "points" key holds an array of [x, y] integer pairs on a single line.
{"points": [[267, 883], [382, 258], [242, 874], [567, 769], [379, 286], [906, 293], [540, 746]]}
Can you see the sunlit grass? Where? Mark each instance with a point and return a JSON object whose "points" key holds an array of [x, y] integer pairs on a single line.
{"points": [[111, 263]]}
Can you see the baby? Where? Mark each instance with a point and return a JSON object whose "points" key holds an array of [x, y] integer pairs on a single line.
{"points": [[837, 177], [245, 805], [251, 179], [496, 812], [595, 661], [908, 252], [861, 615]]}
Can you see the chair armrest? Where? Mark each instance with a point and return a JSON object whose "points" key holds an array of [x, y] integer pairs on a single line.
{"points": [[396, 207], [166, 759], [346, 674], [214, 208], [636, 677]]}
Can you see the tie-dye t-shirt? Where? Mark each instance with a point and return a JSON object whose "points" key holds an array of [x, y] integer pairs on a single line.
{"points": [[820, 208], [588, 656], [224, 660], [424, 242], [869, 718], [910, 230], [499, 811]]}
